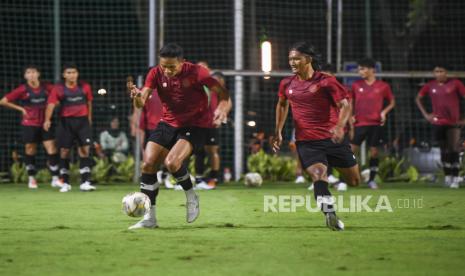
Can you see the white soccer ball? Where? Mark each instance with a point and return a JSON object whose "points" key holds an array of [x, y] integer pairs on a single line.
{"points": [[136, 204], [253, 179], [102, 91]]}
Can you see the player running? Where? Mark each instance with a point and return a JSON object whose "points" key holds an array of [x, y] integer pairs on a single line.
{"points": [[369, 113], [75, 98], [320, 111], [32, 99], [445, 94], [181, 131]]}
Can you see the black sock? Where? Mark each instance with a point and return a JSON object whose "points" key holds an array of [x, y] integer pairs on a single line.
{"points": [[85, 168], [149, 186], [322, 193], [373, 168], [53, 160], [30, 161], [164, 172], [446, 163], [64, 170], [454, 159], [214, 174], [200, 162], [183, 178]]}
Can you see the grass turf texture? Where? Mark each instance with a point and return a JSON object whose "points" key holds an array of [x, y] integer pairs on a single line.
{"points": [[45, 232]]}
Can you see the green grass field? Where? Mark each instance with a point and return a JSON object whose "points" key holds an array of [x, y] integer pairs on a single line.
{"points": [[44, 232]]}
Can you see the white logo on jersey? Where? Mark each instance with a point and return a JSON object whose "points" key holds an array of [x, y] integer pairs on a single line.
{"points": [[165, 84], [188, 134], [434, 90], [360, 89], [290, 91]]}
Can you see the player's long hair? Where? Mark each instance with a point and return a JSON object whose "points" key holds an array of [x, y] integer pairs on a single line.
{"points": [[308, 49]]}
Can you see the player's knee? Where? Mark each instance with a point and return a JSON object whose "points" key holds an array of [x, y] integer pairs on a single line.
{"points": [[354, 180], [30, 149], [317, 173], [147, 167], [64, 153], [172, 165], [373, 152]]}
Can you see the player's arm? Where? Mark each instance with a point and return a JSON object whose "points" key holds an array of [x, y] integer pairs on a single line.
{"points": [[48, 116], [139, 97], [421, 94], [389, 107], [282, 109], [344, 115], [4, 102], [89, 108], [224, 105]]}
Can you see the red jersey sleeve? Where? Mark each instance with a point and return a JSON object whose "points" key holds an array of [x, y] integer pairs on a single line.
{"points": [[336, 90], [424, 90], [204, 77], [460, 88], [55, 95], [282, 88], [150, 79], [88, 91], [16, 94], [388, 93]]}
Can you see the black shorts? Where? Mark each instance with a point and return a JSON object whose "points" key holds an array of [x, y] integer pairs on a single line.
{"points": [[166, 135], [212, 136], [440, 132], [327, 152], [73, 129], [35, 134], [372, 134], [147, 132]]}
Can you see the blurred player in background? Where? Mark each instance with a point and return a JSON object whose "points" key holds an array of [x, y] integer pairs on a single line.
{"points": [[74, 124], [445, 94], [32, 101], [211, 142], [314, 98], [182, 129], [370, 113]]}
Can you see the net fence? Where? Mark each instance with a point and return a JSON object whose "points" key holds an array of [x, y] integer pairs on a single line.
{"points": [[108, 40]]}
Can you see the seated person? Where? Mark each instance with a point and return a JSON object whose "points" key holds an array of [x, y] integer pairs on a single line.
{"points": [[114, 140]]}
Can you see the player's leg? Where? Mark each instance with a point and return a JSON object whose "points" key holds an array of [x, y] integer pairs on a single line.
{"points": [[213, 152], [199, 156], [82, 129], [340, 156], [453, 147], [298, 170], [64, 143], [30, 150], [374, 141], [313, 158], [53, 158], [360, 134], [440, 137]]}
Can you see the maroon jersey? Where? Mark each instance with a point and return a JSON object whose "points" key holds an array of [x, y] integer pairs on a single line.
{"points": [[213, 104], [151, 113], [33, 100], [314, 104], [73, 100], [369, 101], [184, 100], [445, 98]]}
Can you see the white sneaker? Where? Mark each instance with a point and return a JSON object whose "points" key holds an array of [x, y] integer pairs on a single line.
{"points": [[192, 206], [365, 174], [56, 182], [448, 180], [300, 179], [178, 187], [149, 220], [310, 188], [32, 183], [341, 187], [372, 185], [168, 184], [203, 186], [332, 179], [160, 176], [65, 188], [455, 182], [86, 187]]}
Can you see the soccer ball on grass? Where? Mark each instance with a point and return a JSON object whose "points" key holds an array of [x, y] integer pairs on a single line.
{"points": [[136, 204]]}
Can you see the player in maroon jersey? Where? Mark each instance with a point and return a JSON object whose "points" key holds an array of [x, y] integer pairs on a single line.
{"points": [[182, 129], [320, 111], [75, 98], [32, 100], [369, 113], [445, 94]]}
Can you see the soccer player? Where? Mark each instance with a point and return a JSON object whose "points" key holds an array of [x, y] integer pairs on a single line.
{"points": [[445, 94], [75, 98], [369, 113], [32, 99], [181, 131], [320, 112]]}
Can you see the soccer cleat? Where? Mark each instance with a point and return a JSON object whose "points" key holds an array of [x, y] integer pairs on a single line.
{"points": [[192, 206], [333, 222], [448, 180], [56, 182], [87, 187], [455, 182], [148, 221], [203, 186], [341, 187], [300, 179], [178, 187], [310, 188], [372, 185], [32, 184], [332, 179], [168, 184], [65, 188]]}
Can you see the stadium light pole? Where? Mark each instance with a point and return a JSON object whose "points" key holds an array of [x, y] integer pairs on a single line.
{"points": [[329, 21], [238, 89], [339, 36], [56, 38]]}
